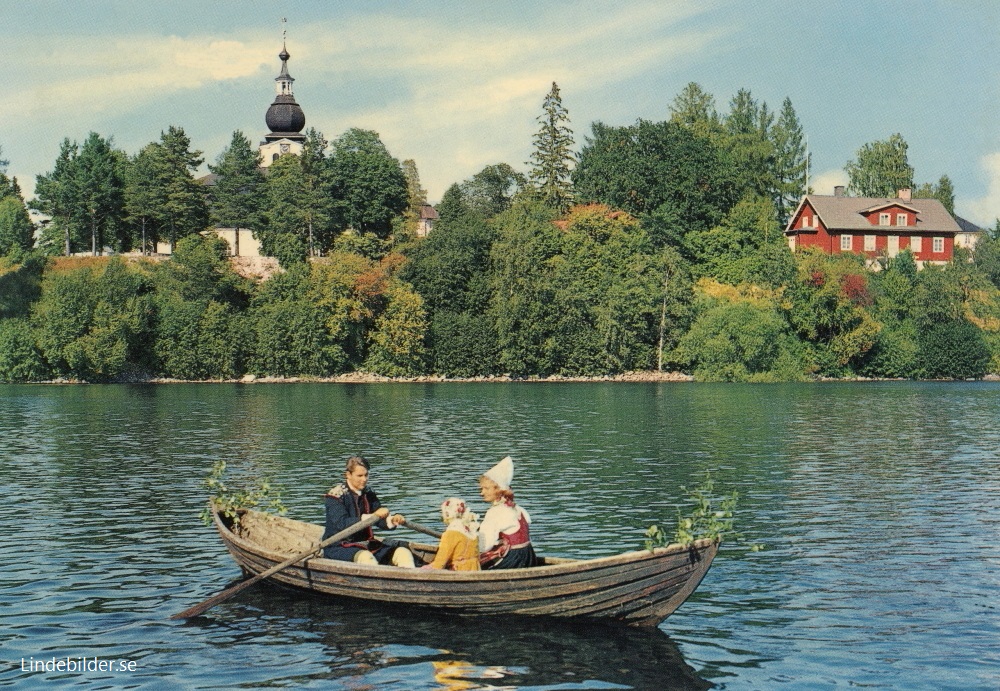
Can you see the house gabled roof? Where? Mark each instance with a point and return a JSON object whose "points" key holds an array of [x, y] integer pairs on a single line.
{"points": [[848, 214], [967, 226], [887, 204]]}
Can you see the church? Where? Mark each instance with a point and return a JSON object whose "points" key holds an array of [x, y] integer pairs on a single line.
{"points": [[286, 121], [285, 118]]}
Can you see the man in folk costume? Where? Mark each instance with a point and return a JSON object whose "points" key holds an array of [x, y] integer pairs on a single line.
{"points": [[351, 502], [504, 538]]}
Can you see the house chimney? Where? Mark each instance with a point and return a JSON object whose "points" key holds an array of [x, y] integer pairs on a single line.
{"points": [[904, 194], [838, 191]]}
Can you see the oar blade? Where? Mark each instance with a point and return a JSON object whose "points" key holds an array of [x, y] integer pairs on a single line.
{"points": [[211, 602]]}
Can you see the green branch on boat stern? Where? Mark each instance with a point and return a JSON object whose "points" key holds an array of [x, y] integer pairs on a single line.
{"points": [[711, 518]]}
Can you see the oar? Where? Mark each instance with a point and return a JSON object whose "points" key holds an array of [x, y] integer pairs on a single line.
{"points": [[421, 529], [243, 585]]}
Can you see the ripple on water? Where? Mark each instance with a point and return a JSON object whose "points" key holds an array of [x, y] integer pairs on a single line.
{"points": [[881, 561]]}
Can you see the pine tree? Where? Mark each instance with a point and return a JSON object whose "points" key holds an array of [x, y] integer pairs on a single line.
{"points": [[186, 205], [236, 197], [101, 186], [57, 193], [143, 196], [553, 158], [790, 161]]}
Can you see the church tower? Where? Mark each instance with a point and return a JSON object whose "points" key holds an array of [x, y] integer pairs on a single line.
{"points": [[284, 118]]}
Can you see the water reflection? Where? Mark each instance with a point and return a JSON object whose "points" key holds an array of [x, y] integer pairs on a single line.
{"points": [[378, 647], [879, 505]]}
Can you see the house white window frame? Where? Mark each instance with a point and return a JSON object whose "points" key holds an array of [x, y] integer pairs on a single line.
{"points": [[885, 219], [902, 220], [805, 221], [869, 243], [846, 243], [937, 245], [916, 244]]}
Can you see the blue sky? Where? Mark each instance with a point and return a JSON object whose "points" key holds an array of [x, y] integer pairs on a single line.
{"points": [[457, 85]]}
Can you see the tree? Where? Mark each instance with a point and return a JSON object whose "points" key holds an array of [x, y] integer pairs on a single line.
{"points": [[367, 182], [450, 270], [236, 196], [185, 206], [943, 191], [552, 160], [746, 247], [100, 185], [143, 196], [492, 190], [611, 290], [748, 148], [94, 322], [694, 109], [522, 306], [880, 169], [655, 167], [57, 194], [790, 161], [740, 340], [986, 254], [17, 233], [415, 194]]}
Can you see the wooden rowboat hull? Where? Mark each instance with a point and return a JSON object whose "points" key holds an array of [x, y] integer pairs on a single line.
{"points": [[638, 588]]}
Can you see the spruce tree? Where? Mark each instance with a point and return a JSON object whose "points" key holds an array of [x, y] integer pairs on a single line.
{"points": [[694, 109], [790, 162], [553, 158], [748, 146]]}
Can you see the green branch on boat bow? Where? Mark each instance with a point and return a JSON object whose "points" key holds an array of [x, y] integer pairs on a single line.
{"points": [[251, 493]]}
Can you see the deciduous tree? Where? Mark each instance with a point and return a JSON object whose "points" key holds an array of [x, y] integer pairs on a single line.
{"points": [[880, 169], [368, 183]]}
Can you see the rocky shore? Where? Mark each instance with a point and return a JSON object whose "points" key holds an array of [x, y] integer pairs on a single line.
{"points": [[369, 378]]}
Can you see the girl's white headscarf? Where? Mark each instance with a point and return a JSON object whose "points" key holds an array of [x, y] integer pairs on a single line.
{"points": [[455, 512]]}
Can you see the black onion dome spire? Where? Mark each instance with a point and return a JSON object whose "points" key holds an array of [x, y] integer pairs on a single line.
{"points": [[285, 117]]}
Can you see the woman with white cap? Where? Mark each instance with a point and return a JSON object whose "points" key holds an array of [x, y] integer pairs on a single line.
{"points": [[504, 538]]}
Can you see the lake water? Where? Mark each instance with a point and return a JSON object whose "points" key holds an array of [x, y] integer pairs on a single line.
{"points": [[878, 506]]}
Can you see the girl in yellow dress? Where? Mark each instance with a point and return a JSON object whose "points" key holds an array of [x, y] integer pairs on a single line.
{"points": [[459, 548]]}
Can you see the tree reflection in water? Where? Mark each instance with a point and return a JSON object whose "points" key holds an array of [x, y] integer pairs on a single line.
{"points": [[375, 646]]}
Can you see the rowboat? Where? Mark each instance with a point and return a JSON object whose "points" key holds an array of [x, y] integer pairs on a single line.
{"points": [[640, 588]]}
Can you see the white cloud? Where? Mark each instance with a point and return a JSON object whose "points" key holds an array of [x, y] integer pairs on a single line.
{"points": [[824, 182], [93, 74], [986, 209], [453, 96], [469, 96]]}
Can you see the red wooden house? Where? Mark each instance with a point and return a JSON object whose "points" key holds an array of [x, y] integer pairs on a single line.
{"points": [[874, 226]]}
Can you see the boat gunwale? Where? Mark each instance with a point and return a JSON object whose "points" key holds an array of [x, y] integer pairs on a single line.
{"points": [[575, 567]]}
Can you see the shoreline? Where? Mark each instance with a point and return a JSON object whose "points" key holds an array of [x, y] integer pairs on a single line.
{"points": [[369, 378]]}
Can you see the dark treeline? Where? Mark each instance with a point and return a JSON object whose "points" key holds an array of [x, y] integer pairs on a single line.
{"points": [[656, 245]]}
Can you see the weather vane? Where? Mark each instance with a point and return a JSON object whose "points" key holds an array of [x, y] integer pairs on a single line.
{"points": [[283, 30]]}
